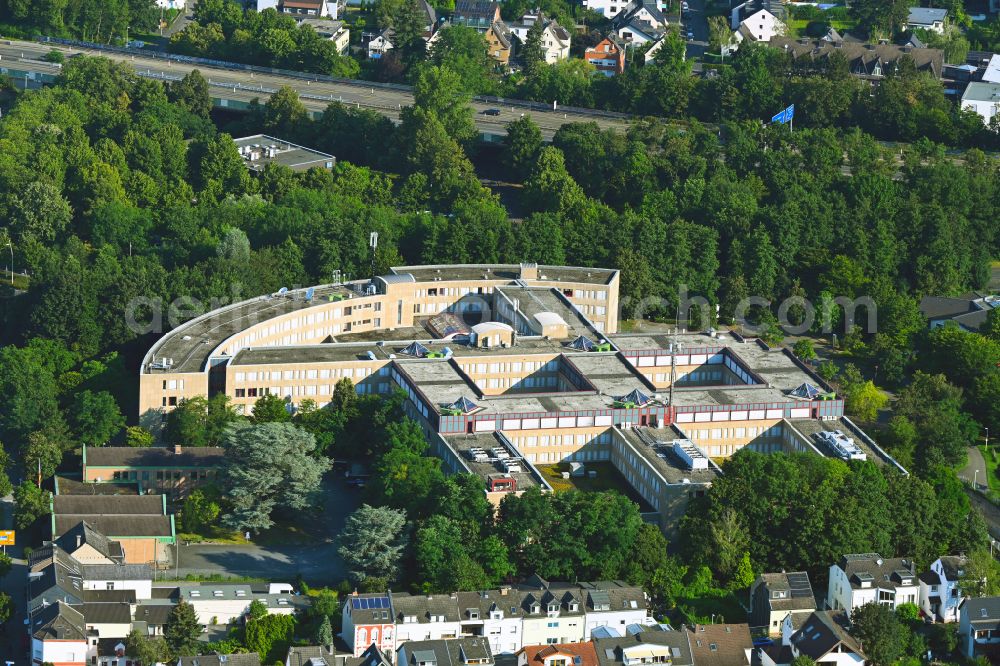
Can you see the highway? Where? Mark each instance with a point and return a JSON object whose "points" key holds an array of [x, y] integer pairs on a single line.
{"points": [[236, 88]]}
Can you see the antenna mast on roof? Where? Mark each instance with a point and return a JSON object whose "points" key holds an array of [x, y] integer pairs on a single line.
{"points": [[373, 244], [674, 348]]}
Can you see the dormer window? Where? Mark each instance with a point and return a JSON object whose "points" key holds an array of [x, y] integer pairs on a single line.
{"points": [[473, 613], [535, 608], [778, 594], [553, 609], [573, 607]]}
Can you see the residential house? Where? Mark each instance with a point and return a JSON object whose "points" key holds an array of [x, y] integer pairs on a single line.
{"points": [[927, 18], [536, 612], [140, 523], [367, 619], [979, 627], [303, 8], [248, 659], [478, 14], [774, 595], [175, 470], [870, 62], [59, 636], [151, 616], [639, 644], [761, 26], [380, 44], [984, 99], [558, 654], [823, 637], [493, 614], [991, 73], [499, 43], [567, 613], [328, 655], [88, 546], [720, 644], [106, 620], [610, 8], [608, 55], [468, 651], [868, 577], [940, 594], [425, 618], [225, 603], [969, 311], [555, 38], [640, 22], [335, 31]]}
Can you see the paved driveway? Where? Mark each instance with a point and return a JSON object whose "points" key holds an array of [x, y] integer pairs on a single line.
{"points": [[317, 560]]}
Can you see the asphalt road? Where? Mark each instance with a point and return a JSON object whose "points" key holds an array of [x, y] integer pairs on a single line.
{"points": [[13, 634], [975, 469], [696, 20], [315, 95]]}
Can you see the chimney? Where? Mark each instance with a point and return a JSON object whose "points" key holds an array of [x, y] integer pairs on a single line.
{"points": [[177, 449], [79, 540]]}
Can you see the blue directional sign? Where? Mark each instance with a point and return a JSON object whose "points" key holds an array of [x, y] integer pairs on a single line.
{"points": [[784, 116]]}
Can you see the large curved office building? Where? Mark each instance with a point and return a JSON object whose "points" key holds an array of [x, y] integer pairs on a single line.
{"points": [[511, 366]]}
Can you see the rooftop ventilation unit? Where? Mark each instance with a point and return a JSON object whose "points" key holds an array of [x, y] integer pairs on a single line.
{"points": [[841, 445], [689, 453]]}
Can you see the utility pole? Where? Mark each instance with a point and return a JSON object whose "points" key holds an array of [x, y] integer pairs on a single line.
{"points": [[11, 246], [987, 439]]}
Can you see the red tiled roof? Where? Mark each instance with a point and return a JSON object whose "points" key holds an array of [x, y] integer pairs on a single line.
{"points": [[537, 654]]}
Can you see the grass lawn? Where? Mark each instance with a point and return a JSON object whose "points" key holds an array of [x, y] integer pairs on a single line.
{"points": [[608, 478], [725, 608], [20, 281], [797, 27], [215, 535]]}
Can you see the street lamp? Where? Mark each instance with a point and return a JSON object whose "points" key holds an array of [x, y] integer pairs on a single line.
{"points": [[987, 430], [11, 246]]}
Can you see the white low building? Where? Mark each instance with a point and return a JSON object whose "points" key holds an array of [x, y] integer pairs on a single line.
{"points": [[940, 594], [868, 577], [983, 98], [761, 26], [927, 18], [224, 603], [59, 636]]}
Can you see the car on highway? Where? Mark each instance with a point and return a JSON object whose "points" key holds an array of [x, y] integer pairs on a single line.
{"points": [[491, 112]]}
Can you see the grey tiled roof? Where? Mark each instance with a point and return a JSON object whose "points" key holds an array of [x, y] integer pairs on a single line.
{"points": [[83, 533], [423, 607], [250, 659], [158, 456], [454, 652], [885, 572], [823, 631], [121, 525], [107, 505], [59, 622], [609, 650], [117, 571], [983, 612], [106, 613]]}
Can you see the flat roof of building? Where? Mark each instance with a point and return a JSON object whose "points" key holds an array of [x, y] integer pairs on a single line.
{"points": [[465, 272], [810, 427], [271, 150], [190, 344], [536, 301], [462, 444], [655, 445], [980, 91]]}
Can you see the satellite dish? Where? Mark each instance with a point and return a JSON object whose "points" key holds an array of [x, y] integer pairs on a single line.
{"points": [[282, 291]]}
